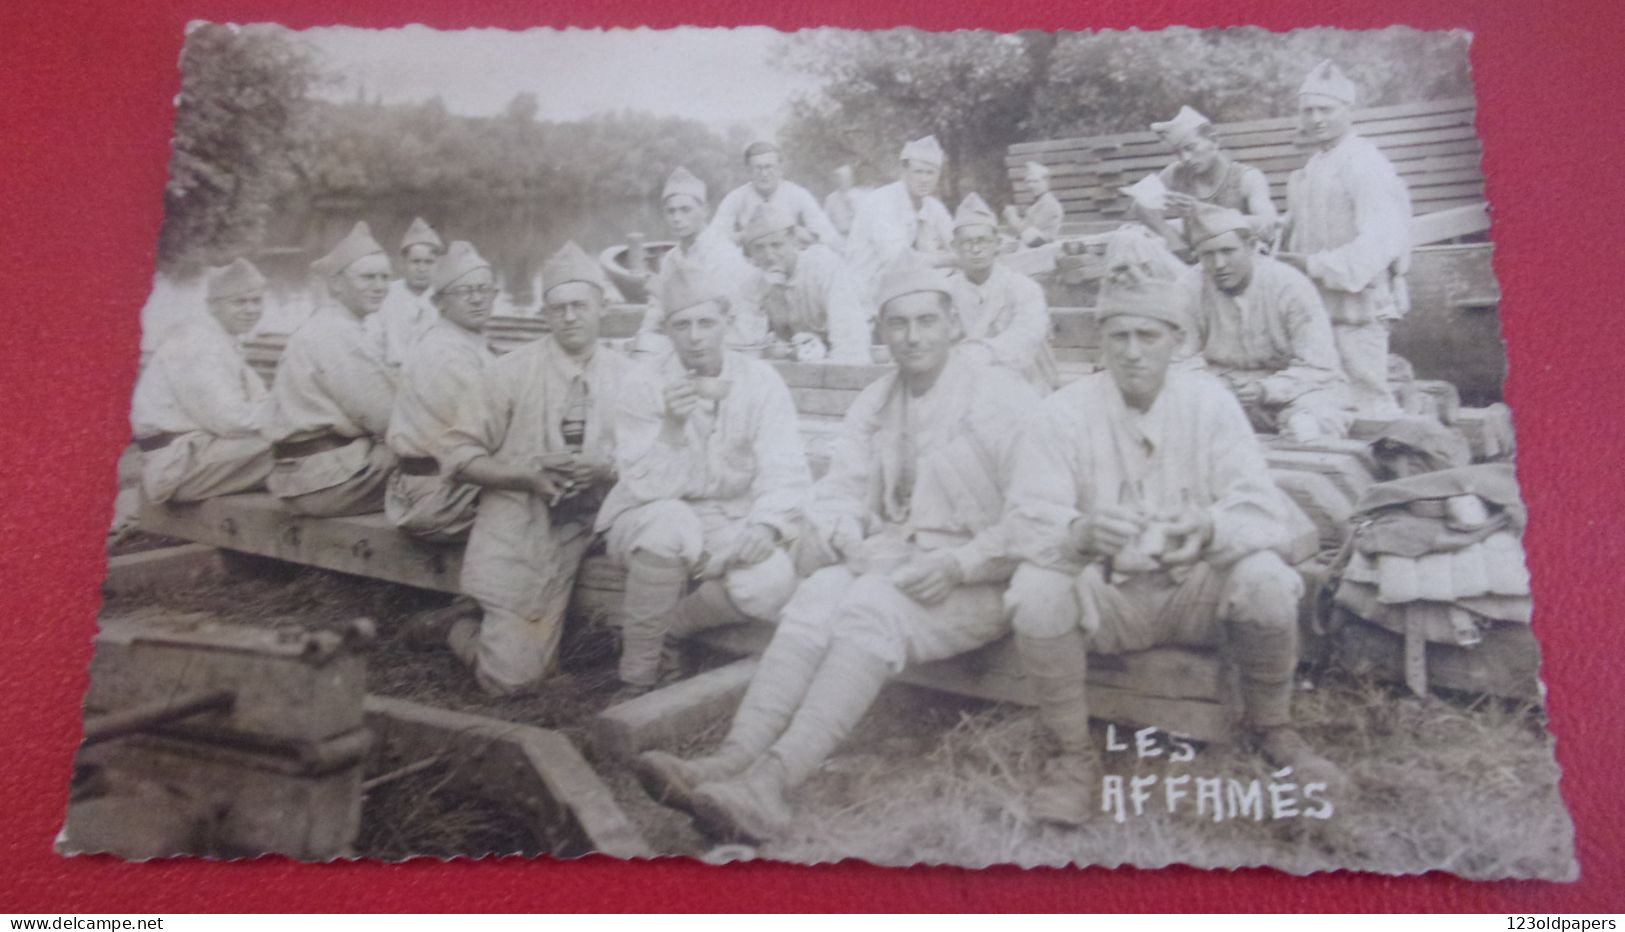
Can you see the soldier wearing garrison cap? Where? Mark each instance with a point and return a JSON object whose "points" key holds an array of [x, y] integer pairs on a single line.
{"points": [[441, 369], [1143, 513], [409, 310], [198, 407], [903, 218], [712, 481], [537, 434], [810, 298], [1203, 174], [702, 250], [1349, 231], [1259, 325], [333, 395], [907, 520], [1041, 222], [768, 187], [1006, 318]]}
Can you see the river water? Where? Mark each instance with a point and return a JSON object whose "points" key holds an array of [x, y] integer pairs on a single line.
{"points": [[515, 239]]}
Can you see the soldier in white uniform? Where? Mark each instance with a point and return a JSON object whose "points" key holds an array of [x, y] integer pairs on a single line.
{"points": [[902, 222], [809, 296], [1005, 315], [768, 187], [409, 309]]}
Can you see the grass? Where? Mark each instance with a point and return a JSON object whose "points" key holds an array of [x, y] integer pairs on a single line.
{"points": [[1466, 786]]}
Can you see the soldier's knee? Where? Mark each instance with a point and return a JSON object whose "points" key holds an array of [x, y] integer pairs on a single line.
{"points": [[762, 589], [670, 530], [1041, 602], [1263, 591]]}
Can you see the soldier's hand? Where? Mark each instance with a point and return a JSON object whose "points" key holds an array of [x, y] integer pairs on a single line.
{"points": [[847, 536], [588, 470], [755, 545], [545, 485], [1189, 533], [681, 400], [928, 578], [1180, 204], [1107, 531], [1250, 393]]}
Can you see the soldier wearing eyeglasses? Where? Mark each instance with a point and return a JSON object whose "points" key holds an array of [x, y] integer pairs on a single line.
{"points": [[441, 369], [1006, 318]]}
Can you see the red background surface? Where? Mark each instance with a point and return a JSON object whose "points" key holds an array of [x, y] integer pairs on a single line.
{"points": [[86, 110]]}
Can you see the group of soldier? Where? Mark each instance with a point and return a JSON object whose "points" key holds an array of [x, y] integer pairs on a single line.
{"points": [[967, 497]]}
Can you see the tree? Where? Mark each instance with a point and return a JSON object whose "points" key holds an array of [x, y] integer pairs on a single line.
{"points": [[239, 123]]}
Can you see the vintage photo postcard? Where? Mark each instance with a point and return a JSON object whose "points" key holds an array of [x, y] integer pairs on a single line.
{"points": [[951, 448]]}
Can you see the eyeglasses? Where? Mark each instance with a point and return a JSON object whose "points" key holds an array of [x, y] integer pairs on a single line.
{"points": [[471, 291], [979, 242]]}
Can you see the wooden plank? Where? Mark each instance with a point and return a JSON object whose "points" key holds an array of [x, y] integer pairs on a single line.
{"points": [[1346, 471], [166, 568], [364, 545], [1325, 505], [534, 771], [671, 714], [1448, 224]]}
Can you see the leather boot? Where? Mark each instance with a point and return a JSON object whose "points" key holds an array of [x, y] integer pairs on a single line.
{"points": [[653, 587], [1056, 667], [1283, 747], [670, 780]]}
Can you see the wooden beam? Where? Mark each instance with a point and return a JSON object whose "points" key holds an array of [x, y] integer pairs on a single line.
{"points": [[671, 714], [166, 568]]}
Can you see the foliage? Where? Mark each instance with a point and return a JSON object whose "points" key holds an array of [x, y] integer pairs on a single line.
{"points": [[239, 124], [979, 92]]}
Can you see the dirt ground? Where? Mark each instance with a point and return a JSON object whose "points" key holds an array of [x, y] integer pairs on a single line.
{"points": [[1461, 785]]}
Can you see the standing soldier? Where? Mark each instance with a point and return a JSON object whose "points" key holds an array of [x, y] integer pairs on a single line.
{"points": [[333, 395], [1042, 221], [1349, 214], [198, 407], [1203, 174], [902, 218], [1005, 316], [767, 186], [702, 251], [442, 368], [1143, 513], [409, 309], [910, 512], [808, 295], [538, 437], [712, 481]]}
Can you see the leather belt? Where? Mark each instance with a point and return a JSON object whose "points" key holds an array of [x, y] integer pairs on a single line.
{"points": [[155, 442], [297, 449], [419, 466]]}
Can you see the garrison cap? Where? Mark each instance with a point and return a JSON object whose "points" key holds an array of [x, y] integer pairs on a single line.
{"points": [[238, 278], [1210, 220], [758, 147], [687, 288], [357, 244], [973, 211], [907, 277], [683, 181], [1157, 300], [926, 150], [421, 234], [459, 260], [1184, 126], [1328, 80], [572, 264]]}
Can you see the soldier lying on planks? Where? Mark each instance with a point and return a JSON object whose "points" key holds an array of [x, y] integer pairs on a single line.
{"points": [[812, 300], [908, 517]]}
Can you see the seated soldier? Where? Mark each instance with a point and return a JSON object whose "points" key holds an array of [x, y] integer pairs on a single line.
{"points": [[1040, 223], [713, 478], [537, 435], [768, 187], [442, 368], [909, 511], [1143, 513], [197, 407], [702, 251], [408, 310], [1203, 174], [1006, 318], [811, 300], [333, 395], [902, 221], [1259, 325]]}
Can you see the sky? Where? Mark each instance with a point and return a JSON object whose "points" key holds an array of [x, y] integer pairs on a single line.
{"points": [[723, 77]]}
